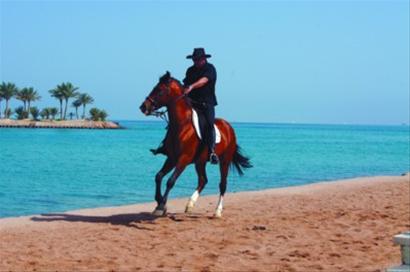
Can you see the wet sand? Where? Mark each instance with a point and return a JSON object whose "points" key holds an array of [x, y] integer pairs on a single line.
{"points": [[332, 226]]}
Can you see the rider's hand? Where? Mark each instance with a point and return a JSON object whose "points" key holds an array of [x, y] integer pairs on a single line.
{"points": [[188, 89]]}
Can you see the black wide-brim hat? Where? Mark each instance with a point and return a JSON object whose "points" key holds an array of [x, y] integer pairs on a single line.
{"points": [[198, 53]]}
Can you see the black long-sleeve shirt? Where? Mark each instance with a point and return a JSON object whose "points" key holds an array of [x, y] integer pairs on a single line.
{"points": [[205, 93]]}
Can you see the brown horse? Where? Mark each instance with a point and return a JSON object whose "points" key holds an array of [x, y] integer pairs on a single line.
{"points": [[184, 147]]}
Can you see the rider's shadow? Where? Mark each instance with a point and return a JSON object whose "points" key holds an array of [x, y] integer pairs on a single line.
{"points": [[128, 220]]}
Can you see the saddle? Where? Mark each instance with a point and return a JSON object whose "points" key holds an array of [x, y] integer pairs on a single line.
{"points": [[198, 120]]}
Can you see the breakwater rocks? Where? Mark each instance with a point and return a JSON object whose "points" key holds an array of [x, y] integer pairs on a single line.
{"points": [[77, 124]]}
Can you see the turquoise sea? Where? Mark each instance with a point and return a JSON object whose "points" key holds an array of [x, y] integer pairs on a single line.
{"points": [[54, 170]]}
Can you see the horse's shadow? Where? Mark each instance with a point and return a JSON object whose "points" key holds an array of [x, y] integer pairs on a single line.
{"points": [[128, 220]]}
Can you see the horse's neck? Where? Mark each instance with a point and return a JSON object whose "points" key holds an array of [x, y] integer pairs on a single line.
{"points": [[179, 113]]}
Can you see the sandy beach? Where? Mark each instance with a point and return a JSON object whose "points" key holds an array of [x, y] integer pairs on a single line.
{"points": [[329, 226]]}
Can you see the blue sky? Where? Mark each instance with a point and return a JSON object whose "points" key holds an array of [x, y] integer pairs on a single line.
{"points": [[303, 62]]}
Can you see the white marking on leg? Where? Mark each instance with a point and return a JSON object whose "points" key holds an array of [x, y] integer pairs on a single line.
{"points": [[192, 201], [219, 208], [195, 196]]}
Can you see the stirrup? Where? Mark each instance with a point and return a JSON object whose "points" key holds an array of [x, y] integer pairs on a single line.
{"points": [[213, 158]]}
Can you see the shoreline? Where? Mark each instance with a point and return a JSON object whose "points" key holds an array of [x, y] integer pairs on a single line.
{"points": [[325, 226], [64, 124], [297, 189]]}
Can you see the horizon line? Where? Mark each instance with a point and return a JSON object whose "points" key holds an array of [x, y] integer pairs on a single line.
{"points": [[282, 123]]}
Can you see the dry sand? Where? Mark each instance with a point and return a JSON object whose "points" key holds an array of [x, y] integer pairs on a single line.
{"points": [[333, 226]]}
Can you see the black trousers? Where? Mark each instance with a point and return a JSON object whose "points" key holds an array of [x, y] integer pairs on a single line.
{"points": [[206, 114]]}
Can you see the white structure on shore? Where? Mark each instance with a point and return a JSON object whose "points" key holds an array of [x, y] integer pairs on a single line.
{"points": [[404, 241]]}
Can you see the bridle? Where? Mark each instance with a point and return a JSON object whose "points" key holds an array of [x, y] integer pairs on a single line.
{"points": [[158, 113]]}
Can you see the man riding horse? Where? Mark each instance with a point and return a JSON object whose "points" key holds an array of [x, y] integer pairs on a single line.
{"points": [[182, 144], [199, 85]]}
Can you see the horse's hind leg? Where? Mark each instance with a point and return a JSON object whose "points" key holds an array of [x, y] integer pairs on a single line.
{"points": [[202, 181], [224, 168]]}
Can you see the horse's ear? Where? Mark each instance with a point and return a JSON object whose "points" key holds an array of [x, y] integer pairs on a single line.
{"points": [[168, 76]]}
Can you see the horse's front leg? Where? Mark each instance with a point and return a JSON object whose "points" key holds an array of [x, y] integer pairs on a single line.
{"points": [[162, 207], [166, 168]]}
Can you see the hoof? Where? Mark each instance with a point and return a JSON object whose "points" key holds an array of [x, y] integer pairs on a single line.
{"points": [[218, 214], [159, 212], [189, 207]]}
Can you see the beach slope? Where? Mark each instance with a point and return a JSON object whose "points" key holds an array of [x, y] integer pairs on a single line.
{"points": [[330, 226]]}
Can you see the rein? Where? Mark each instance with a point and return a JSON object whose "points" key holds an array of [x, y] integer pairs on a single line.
{"points": [[160, 114], [163, 114]]}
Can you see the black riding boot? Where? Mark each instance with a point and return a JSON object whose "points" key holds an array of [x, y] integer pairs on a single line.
{"points": [[160, 149], [213, 158]]}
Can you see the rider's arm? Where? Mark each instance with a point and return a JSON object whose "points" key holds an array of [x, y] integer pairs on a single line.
{"points": [[209, 75], [198, 84]]}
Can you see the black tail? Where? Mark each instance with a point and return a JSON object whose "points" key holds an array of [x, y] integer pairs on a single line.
{"points": [[240, 161]]}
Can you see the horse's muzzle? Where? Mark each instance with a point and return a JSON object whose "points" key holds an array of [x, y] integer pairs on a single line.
{"points": [[143, 108], [147, 107]]}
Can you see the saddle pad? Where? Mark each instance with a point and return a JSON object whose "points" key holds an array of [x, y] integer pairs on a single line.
{"points": [[195, 121]]}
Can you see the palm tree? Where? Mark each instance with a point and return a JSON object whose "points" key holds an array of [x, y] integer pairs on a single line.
{"points": [[22, 95], [8, 90], [76, 104], [1, 99], [95, 114], [31, 96], [103, 115], [69, 91], [8, 113], [58, 94], [85, 99], [53, 112]]}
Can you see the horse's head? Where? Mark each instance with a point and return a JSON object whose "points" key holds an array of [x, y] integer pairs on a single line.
{"points": [[165, 92]]}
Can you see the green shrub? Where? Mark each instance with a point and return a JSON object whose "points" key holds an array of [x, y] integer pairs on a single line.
{"points": [[35, 112], [98, 115], [53, 112], [45, 113], [21, 113]]}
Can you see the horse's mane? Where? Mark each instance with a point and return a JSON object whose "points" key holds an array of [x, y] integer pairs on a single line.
{"points": [[166, 78]]}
